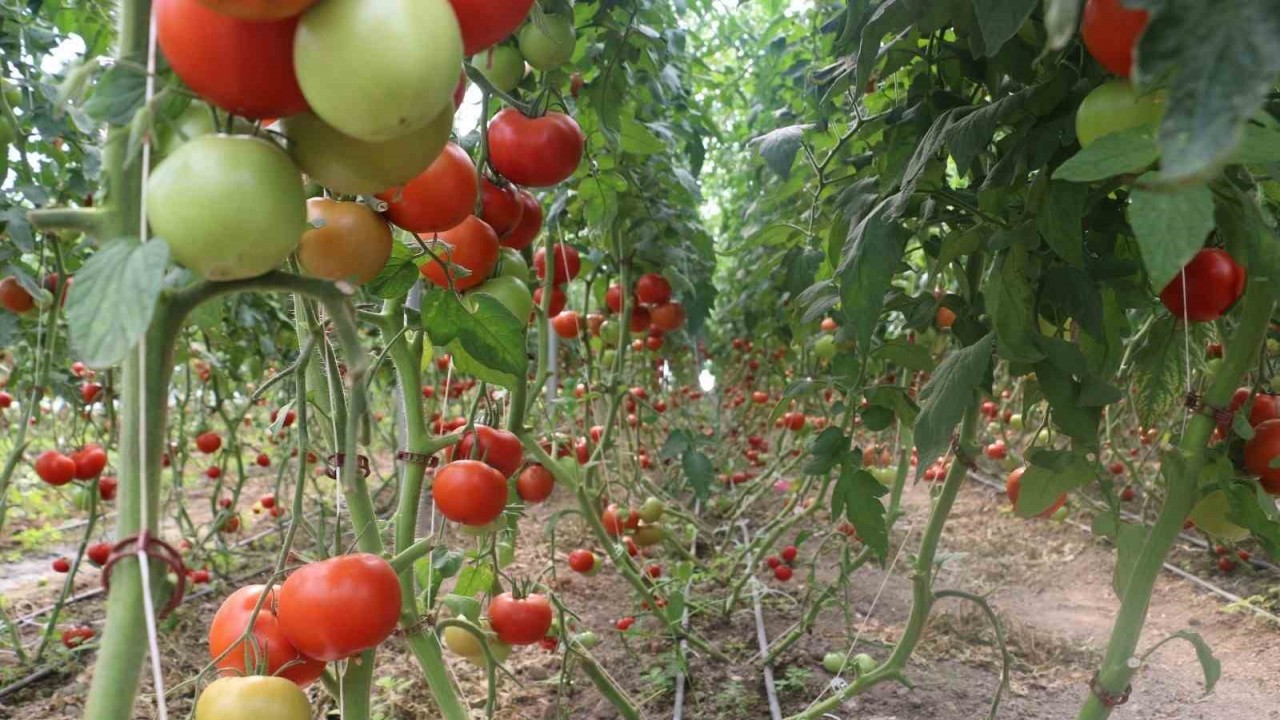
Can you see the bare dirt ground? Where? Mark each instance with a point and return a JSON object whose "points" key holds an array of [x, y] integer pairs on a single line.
{"points": [[1049, 583]]}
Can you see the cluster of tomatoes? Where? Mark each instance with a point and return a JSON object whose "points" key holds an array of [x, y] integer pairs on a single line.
{"points": [[783, 563], [87, 463]]}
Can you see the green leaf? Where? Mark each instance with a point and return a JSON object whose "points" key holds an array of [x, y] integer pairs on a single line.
{"points": [[1061, 20], [487, 335], [639, 139], [856, 497], [110, 305], [1058, 219], [1259, 146], [677, 442], [871, 254], [779, 148], [796, 389], [1125, 152], [474, 579], [1064, 393], [1210, 665], [999, 20], [951, 391], [826, 451], [698, 471], [876, 418], [118, 95], [1011, 303], [905, 355], [397, 276], [1171, 227], [1219, 60], [894, 398], [1050, 474]]}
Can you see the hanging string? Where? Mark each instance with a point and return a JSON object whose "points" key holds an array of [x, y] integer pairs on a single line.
{"points": [[1186, 343], [144, 520]]}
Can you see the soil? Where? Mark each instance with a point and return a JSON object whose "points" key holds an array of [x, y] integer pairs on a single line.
{"points": [[1048, 582]]}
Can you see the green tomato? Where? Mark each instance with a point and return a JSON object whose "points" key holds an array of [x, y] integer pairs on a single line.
{"points": [[608, 357], [1213, 366], [355, 167], [378, 69], [512, 293], [502, 66], [1059, 515], [512, 264], [6, 137], [1211, 515], [864, 662], [652, 510], [196, 121], [12, 93], [586, 638], [1275, 384], [1015, 421], [253, 696], [82, 498], [825, 347], [610, 333], [229, 207], [885, 475], [834, 662], [548, 44], [1114, 106]]}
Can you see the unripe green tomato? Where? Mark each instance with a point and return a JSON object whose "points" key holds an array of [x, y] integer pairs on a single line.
{"points": [[610, 331], [1275, 384], [993, 428], [652, 510], [1060, 514], [549, 46], [885, 475], [512, 293], [502, 66], [648, 535], [825, 347], [864, 662], [81, 498], [1015, 421], [512, 264], [608, 357], [1213, 366], [586, 639], [1114, 106], [833, 662], [12, 93]]}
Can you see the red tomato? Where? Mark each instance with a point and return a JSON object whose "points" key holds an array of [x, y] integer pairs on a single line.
{"points": [[259, 9], [613, 298], [614, 524], [523, 234], [535, 484], [566, 325], [14, 297], [499, 449], [500, 206], [1265, 406], [653, 289], [90, 461], [486, 22], [1211, 284], [472, 245], [6, 400], [99, 553], [89, 392], [55, 468], [63, 565], [558, 300], [783, 573], [1260, 451], [208, 442], [564, 257], [640, 319], [789, 553], [535, 152], [520, 621], [469, 492], [1110, 32], [1013, 487], [759, 397], [243, 67], [795, 423], [582, 561], [624, 624], [229, 624], [439, 199], [76, 636], [667, 316], [339, 607]]}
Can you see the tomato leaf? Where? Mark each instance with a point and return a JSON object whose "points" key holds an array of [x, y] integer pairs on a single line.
{"points": [[698, 471], [902, 354], [1119, 153], [895, 399], [114, 296], [871, 253], [1210, 665], [118, 95], [1049, 474], [1171, 227], [796, 389], [1011, 304], [951, 391], [486, 341], [999, 20], [1058, 216], [1064, 394], [825, 451], [474, 579], [397, 276], [856, 496], [1259, 145], [1061, 20], [779, 148]]}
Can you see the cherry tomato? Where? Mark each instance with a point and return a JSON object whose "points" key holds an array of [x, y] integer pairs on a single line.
{"points": [[340, 607], [582, 561], [1206, 288], [535, 484], [567, 325]]}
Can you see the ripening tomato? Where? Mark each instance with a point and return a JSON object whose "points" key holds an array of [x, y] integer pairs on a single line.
{"points": [[500, 206], [90, 461], [944, 318], [270, 648], [582, 561], [1110, 32], [567, 325], [14, 297], [340, 607], [1013, 487], [558, 300], [520, 621], [523, 234], [535, 483], [439, 198], [667, 316], [469, 492], [653, 289], [535, 152], [259, 10], [55, 468], [345, 241], [378, 69], [254, 696], [1206, 288], [1260, 452], [241, 66], [499, 449], [566, 260], [471, 245], [229, 207], [614, 522], [486, 22], [350, 166]]}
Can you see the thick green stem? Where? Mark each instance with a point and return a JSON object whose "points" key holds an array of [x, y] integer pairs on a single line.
{"points": [[1119, 664]]}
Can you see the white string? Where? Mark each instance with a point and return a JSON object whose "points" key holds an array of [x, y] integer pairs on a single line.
{"points": [[144, 561], [1186, 342]]}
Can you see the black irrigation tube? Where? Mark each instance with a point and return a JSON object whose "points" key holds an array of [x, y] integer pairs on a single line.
{"points": [[1169, 567]]}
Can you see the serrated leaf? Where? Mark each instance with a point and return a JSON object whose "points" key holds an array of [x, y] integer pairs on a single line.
{"points": [[950, 392], [1259, 145], [779, 148], [826, 451], [397, 276], [905, 355], [796, 389], [487, 335], [1120, 153], [856, 496], [114, 296], [1171, 227], [117, 96], [677, 442], [871, 254], [1011, 303], [638, 139], [999, 20], [474, 579], [894, 398], [1063, 393]]}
